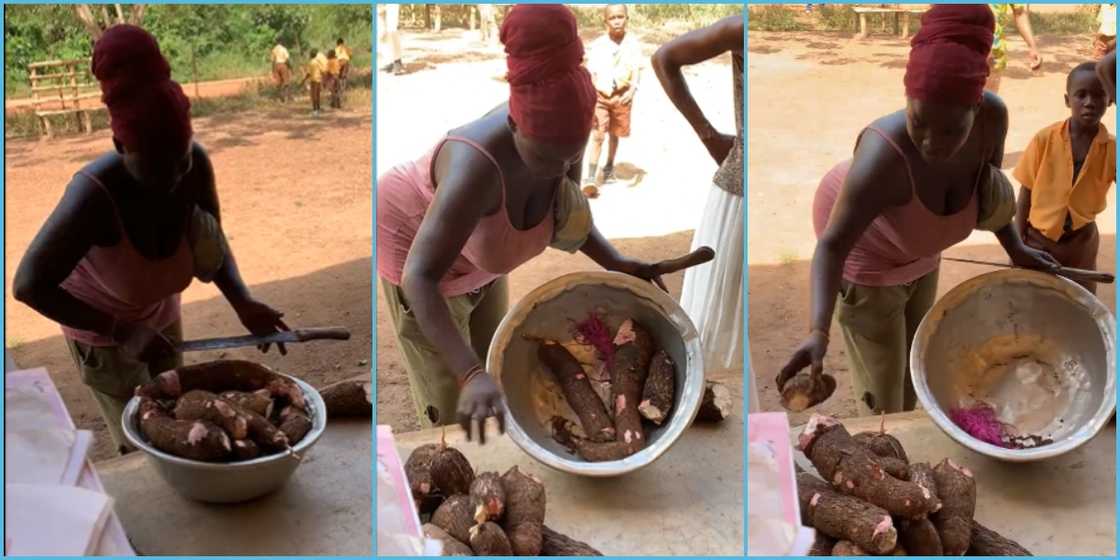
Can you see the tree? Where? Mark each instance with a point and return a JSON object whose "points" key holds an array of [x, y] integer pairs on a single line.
{"points": [[95, 25]]}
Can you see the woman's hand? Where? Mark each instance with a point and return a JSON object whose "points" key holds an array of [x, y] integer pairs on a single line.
{"points": [[1028, 257], [718, 145], [142, 342], [261, 320], [809, 354], [480, 399], [1035, 60], [639, 269]]}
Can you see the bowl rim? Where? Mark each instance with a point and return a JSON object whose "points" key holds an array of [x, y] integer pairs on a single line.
{"points": [[1098, 311], [133, 436], [673, 429]]}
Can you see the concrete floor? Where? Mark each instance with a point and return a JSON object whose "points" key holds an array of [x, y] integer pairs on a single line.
{"points": [[324, 509]]}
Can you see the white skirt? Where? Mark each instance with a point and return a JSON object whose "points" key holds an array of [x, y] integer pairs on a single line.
{"points": [[713, 292]]}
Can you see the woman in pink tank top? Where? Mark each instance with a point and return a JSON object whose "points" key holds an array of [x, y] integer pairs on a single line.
{"points": [[883, 218], [111, 260], [453, 224]]}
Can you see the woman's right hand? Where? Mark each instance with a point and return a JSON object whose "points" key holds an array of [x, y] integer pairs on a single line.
{"points": [[142, 342], [480, 399], [809, 354]]}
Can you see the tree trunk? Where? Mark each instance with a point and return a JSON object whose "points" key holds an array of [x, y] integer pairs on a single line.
{"points": [[89, 22], [95, 26], [137, 14], [194, 73], [120, 13]]}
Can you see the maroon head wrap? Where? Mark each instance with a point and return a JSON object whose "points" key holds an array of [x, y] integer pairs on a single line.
{"points": [[551, 97], [147, 109], [949, 55]]}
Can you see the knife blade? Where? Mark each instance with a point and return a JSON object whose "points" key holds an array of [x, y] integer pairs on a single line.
{"points": [[286, 337]]}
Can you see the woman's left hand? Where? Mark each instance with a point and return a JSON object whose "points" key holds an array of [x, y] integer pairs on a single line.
{"points": [[261, 320], [1028, 257], [640, 269]]}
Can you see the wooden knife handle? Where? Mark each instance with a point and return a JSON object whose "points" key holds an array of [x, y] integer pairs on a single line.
{"points": [[326, 333], [699, 256]]}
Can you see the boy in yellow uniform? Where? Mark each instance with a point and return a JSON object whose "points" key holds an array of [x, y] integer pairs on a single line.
{"points": [[1066, 173], [343, 52], [314, 74], [332, 79], [281, 68], [614, 61]]}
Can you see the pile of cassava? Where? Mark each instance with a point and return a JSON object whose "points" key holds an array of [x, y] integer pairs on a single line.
{"points": [[629, 386], [875, 502], [483, 515], [233, 410]]}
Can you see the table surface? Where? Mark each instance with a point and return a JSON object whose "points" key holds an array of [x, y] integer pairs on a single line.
{"points": [[325, 509], [1062, 506], [690, 501]]}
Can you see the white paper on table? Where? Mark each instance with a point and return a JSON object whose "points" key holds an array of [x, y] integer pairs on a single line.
{"points": [[53, 520], [37, 456], [770, 533]]}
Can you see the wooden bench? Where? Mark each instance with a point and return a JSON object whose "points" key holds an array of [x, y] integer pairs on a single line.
{"points": [[901, 18], [64, 87]]}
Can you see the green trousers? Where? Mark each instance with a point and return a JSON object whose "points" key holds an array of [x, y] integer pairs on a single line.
{"points": [[879, 324], [435, 389], [112, 377]]}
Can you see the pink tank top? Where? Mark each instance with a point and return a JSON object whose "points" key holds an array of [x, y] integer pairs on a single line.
{"points": [[127, 285], [905, 242], [494, 249]]}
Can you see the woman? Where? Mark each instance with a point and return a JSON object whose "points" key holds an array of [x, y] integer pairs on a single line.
{"points": [[883, 218], [1020, 15], [485, 200], [131, 231], [713, 293]]}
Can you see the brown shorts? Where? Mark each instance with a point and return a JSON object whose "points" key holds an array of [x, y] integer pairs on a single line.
{"points": [[612, 117], [1076, 249], [281, 74]]}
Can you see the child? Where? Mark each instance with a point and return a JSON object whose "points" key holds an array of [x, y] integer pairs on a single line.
{"points": [[1061, 196], [333, 78], [343, 52], [314, 73], [614, 61]]}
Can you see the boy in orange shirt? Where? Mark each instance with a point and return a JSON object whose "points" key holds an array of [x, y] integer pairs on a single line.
{"points": [[314, 73], [333, 78], [1062, 195]]}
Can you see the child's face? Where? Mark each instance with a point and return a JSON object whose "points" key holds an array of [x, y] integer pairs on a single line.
{"points": [[616, 20], [1086, 98]]}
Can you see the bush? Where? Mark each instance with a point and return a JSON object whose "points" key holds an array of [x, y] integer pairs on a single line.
{"points": [[774, 18]]}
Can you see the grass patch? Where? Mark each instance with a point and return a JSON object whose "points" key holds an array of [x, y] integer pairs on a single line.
{"points": [[774, 18]]}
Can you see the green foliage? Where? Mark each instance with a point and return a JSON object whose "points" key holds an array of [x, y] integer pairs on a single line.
{"points": [[1073, 23], [643, 15], [774, 18], [223, 41]]}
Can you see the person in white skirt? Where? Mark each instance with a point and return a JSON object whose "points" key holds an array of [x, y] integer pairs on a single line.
{"points": [[713, 292]]}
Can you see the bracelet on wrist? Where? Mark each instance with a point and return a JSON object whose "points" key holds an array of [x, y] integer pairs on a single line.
{"points": [[470, 374], [821, 332]]}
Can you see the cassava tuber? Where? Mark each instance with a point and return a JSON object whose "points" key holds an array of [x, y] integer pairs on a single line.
{"points": [[204, 405], [199, 440], [563, 431], [660, 388], [957, 490], [845, 517], [558, 544], [716, 404], [986, 542], [245, 449], [848, 548], [920, 535], [854, 470], [451, 545], [294, 424], [577, 390], [488, 539], [822, 545], [806, 390], [451, 472], [882, 445], [525, 509], [629, 367], [418, 470], [456, 516], [488, 492], [349, 398], [256, 401]]}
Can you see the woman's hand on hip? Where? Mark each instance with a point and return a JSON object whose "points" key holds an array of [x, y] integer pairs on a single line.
{"points": [[719, 146], [142, 342], [809, 354], [480, 399], [261, 320]]}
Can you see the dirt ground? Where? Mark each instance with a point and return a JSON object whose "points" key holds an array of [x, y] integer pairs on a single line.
{"points": [[796, 135], [649, 213], [214, 88], [296, 207]]}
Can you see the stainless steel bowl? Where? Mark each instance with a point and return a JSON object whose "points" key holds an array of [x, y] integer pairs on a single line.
{"points": [[229, 482], [549, 312], [1004, 317]]}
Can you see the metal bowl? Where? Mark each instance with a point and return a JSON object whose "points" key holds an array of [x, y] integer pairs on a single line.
{"points": [[234, 482], [983, 339], [549, 312]]}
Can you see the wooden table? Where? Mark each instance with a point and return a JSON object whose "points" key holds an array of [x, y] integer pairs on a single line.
{"points": [[690, 501], [1063, 506], [324, 509]]}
